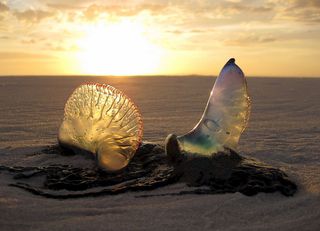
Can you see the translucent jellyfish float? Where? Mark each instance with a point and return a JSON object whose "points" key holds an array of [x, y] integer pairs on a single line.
{"points": [[101, 120], [223, 121]]}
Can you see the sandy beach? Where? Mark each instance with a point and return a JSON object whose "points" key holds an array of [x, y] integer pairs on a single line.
{"points": [[283, 131]]}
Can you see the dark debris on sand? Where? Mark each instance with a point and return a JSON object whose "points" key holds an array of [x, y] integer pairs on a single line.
{"points": [[149, 169]]}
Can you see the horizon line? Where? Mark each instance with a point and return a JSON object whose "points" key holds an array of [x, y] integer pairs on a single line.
{"points": [[154, 75]]}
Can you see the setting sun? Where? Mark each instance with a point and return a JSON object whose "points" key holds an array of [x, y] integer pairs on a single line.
{"points": [[120, 48]]}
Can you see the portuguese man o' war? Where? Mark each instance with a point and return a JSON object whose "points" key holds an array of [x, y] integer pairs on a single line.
{"points": [[101, 120], [223, 121]]}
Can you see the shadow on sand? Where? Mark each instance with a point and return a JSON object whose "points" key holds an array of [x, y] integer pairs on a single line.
{"points": [[149, 169]]}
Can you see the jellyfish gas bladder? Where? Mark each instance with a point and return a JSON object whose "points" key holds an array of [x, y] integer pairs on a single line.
{"points": [[224, 118], [101, 120]]}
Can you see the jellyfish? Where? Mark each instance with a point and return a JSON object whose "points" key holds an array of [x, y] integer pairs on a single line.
{"points": [[103, 121], [223, 121]]}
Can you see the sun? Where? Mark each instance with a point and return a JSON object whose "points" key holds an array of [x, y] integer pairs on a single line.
{"points": [[120, 48]]}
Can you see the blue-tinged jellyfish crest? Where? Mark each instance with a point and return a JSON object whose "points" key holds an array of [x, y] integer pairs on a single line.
{"points": [[224, 118]]}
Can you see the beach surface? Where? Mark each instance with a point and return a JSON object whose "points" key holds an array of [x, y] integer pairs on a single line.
{"points": [[283, 131]]}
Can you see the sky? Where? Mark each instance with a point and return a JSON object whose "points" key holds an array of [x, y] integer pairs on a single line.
{"points": [[159, 37]]}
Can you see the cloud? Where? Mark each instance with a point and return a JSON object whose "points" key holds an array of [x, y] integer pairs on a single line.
{"points": [[94, 11], [3, 7], [61, 47], [227, 8], [32, 16], [241, 7], [306, 15], [306, 3], [28, 41], [64, 7], [5, 37], [249, 39], [172, 12], [23, 55], [304, 11], [74, 3], [192, 31], [210, 14]]}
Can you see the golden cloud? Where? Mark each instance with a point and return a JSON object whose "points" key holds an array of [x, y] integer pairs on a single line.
{"points": [[32, 15], [3, 7]]}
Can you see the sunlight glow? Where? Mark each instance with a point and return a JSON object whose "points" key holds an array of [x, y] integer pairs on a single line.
{"points": [[120, 48]]}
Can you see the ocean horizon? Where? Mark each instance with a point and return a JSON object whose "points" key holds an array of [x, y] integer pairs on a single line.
{"points": [[149, 76]]}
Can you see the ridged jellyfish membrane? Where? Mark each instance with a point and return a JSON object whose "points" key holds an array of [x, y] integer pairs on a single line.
{"points": [[223, 121], [101, 120]]}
